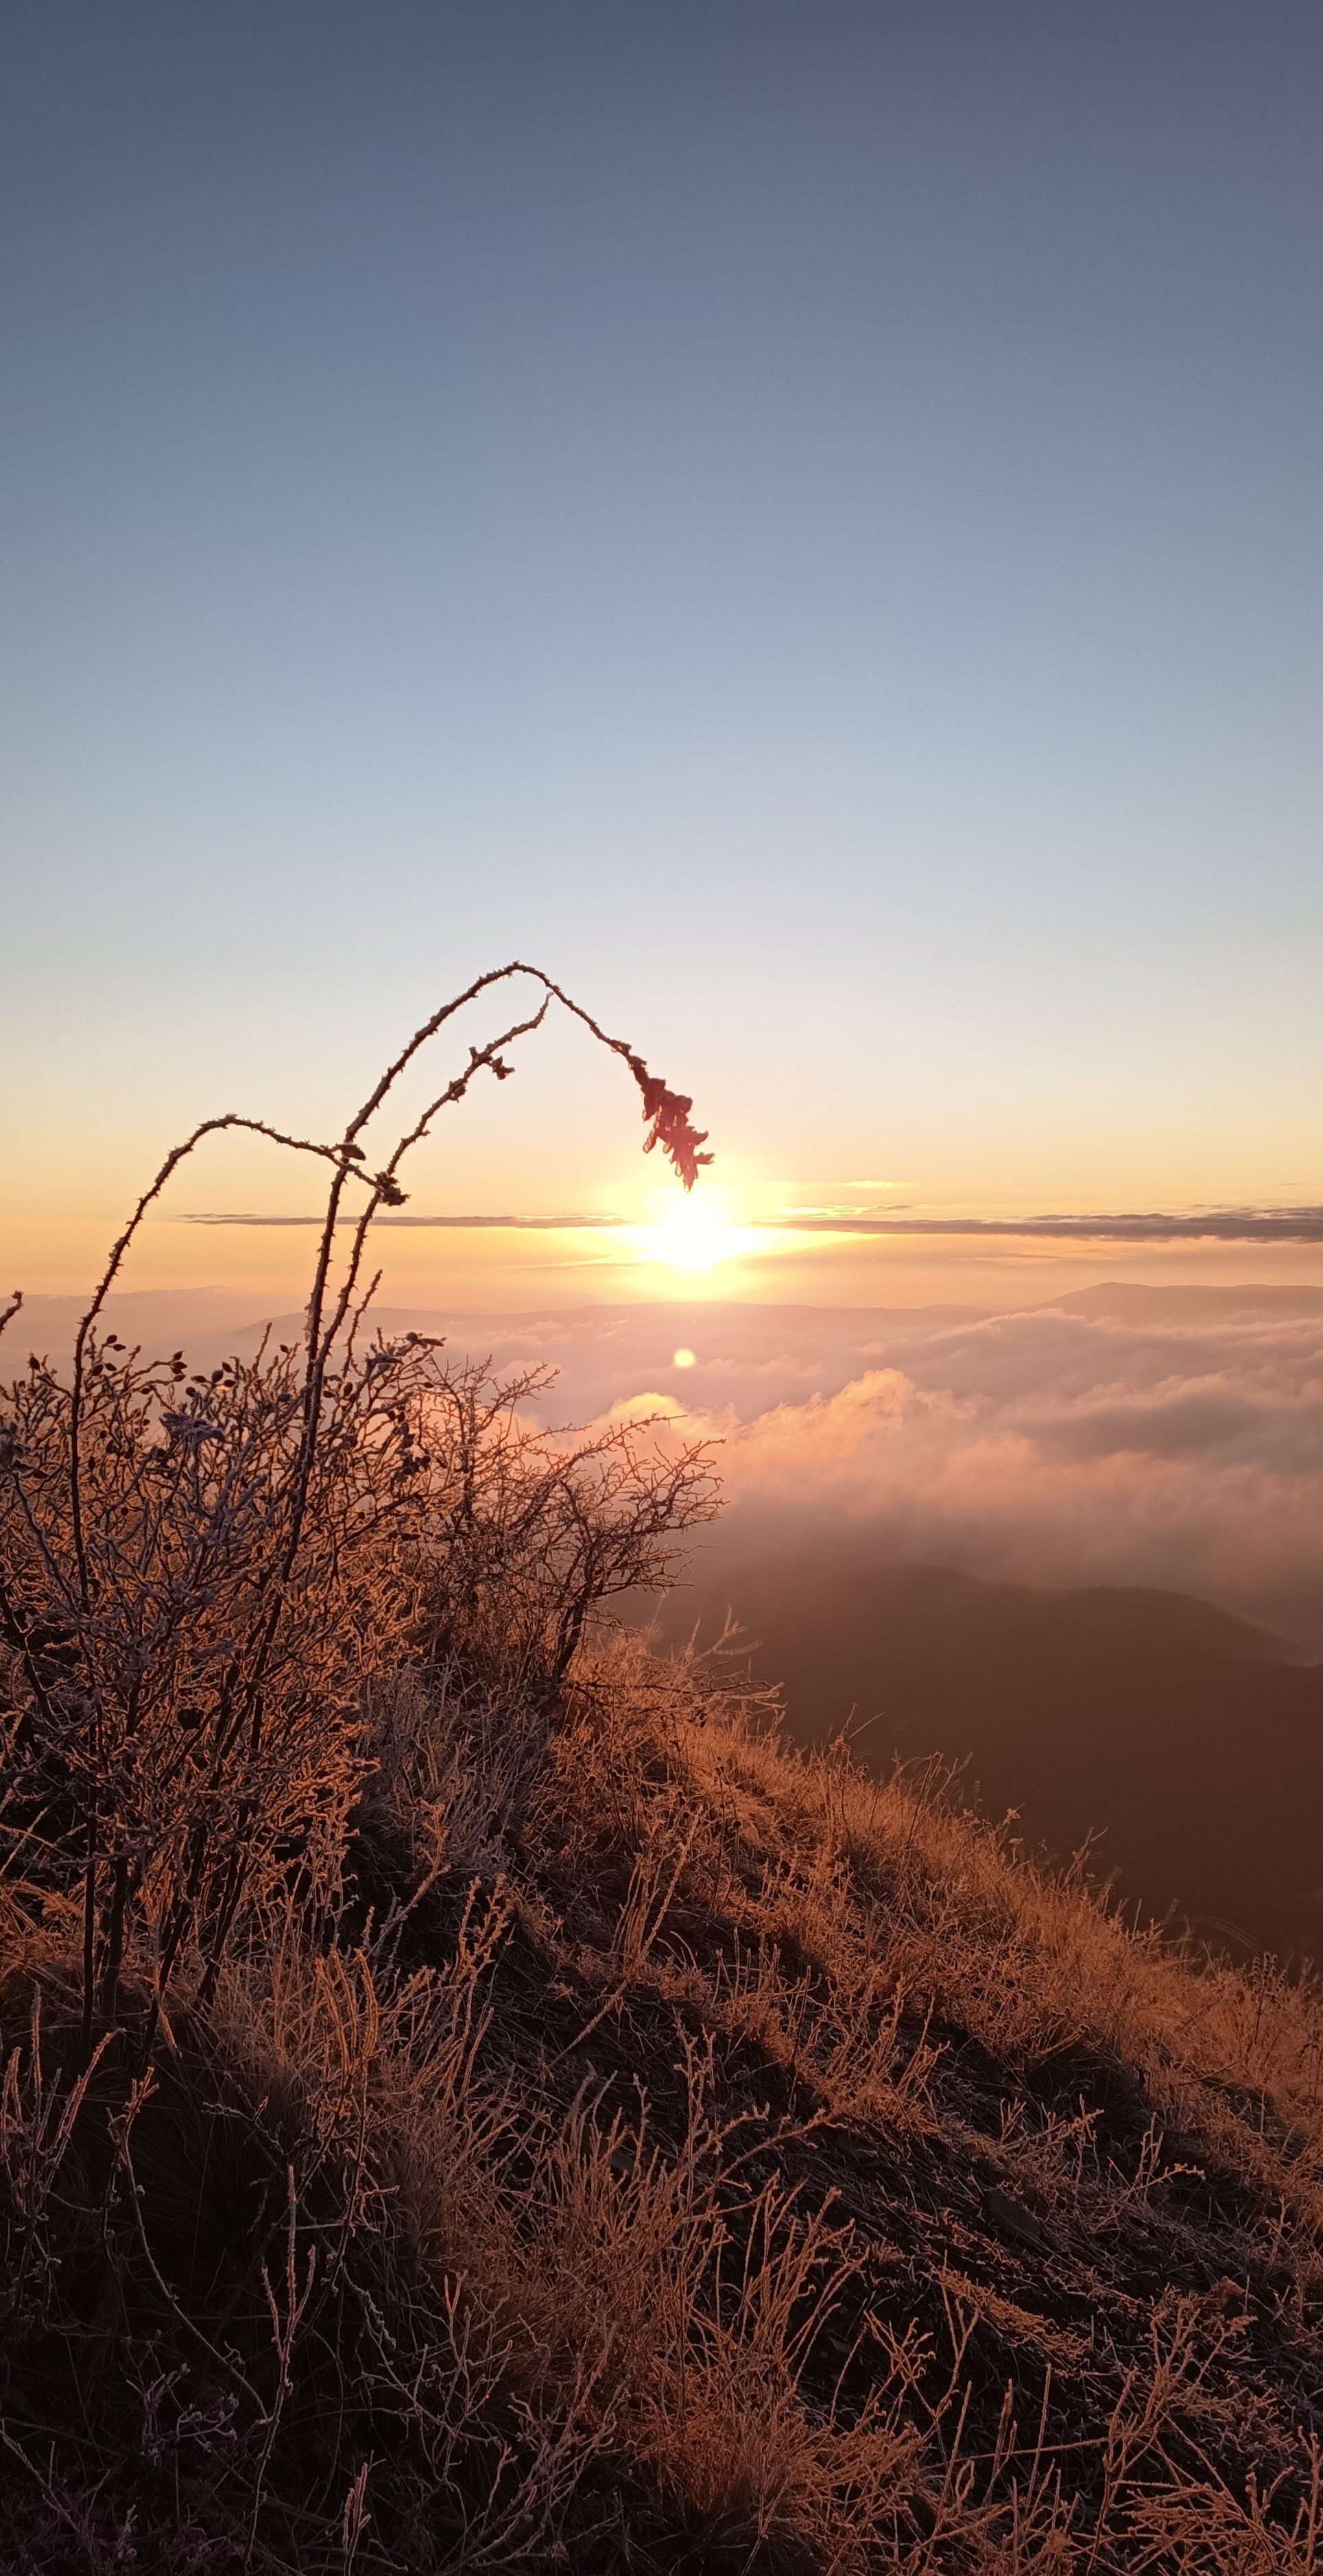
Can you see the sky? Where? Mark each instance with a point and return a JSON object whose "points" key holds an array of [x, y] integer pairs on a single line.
{"points": [[804, 522]]}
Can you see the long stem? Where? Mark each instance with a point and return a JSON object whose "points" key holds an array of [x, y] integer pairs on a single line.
{"points": [[209, 1127], [89, 1927], [115, 1941]]}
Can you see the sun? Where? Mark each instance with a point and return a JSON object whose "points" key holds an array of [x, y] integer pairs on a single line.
{"points": [[690, 1237]]}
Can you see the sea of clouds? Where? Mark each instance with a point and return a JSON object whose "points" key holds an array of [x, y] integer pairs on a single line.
{"points": [[1121, 1438]]}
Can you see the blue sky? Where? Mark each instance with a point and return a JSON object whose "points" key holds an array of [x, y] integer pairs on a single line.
{"points": [[805, 520]]}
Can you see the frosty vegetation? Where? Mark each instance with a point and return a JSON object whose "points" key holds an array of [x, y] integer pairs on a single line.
{"points": [[475, 2098]]}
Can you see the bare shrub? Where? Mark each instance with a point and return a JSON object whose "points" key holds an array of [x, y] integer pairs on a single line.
{"points": [[201, 1578], [203, 1725]]}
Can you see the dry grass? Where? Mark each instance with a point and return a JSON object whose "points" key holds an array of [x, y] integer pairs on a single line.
{"points": [[736, 2164]]}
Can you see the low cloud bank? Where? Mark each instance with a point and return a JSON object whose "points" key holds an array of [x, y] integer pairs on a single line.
{"points": [[1145, 1439]]}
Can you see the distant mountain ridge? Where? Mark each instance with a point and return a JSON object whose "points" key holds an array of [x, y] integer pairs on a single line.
{"points": [[1189, 1741]]}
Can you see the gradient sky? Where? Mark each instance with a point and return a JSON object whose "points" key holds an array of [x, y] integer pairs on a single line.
{"points": [[804, 520]]}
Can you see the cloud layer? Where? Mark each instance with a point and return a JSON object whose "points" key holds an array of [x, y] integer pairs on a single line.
{"points": [[1142, 1437]]}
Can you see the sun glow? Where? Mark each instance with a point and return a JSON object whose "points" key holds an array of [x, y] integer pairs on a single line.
{"points": [[691, 1236]]}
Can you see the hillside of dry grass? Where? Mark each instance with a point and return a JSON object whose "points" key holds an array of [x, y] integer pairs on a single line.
{"points": [[476, 2097], [658, 2148]]}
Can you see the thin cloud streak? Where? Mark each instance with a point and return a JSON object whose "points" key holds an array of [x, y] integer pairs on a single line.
{"points": [[1226, 1225], [1230, 1225], [521, 1224]]}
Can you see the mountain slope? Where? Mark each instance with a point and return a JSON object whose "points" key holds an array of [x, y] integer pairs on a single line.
{"points": [[702, 2156]]}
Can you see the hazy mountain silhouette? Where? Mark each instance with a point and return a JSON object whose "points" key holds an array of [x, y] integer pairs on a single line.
{"points": [[1190, 1740]]}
